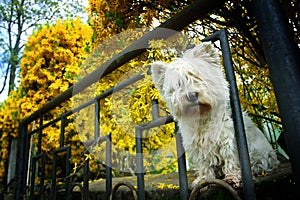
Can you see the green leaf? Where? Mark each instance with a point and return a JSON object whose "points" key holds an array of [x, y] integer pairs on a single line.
{"points": [[119, 21], [110, 15], [87, 47]]}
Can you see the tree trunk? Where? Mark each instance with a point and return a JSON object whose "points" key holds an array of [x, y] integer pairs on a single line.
{"points": [[13, 68]]}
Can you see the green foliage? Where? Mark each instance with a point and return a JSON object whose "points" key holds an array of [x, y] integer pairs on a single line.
{"points": [[18, 18]]}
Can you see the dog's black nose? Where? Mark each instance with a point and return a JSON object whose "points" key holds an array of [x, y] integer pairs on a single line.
{"points": [[192, 96]]}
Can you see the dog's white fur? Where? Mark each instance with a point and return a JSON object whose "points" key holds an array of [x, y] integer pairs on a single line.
{"points": [[197, 96]]}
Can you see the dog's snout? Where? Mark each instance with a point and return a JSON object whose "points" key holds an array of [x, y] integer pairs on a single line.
{"points": [[192, 96]]}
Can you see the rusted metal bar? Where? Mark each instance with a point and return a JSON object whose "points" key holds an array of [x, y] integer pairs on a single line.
{"points": [[126, 184], [219, 182]]}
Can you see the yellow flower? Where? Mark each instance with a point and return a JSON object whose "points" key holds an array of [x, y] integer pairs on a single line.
{"points": [[88, 156], [167, 186]]}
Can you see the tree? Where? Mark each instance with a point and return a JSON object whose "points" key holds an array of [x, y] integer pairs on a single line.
{"points": [[17, 19], [49, 65]]}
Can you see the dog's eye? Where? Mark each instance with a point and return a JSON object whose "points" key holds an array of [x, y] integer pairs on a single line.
{"points": [[192, 96], [179, 84]]}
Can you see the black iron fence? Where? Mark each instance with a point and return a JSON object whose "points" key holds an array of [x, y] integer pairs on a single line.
{"points": [[157, 121], [177, 23]]}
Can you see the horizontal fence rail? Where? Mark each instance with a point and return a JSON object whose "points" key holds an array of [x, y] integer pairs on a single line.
{"points": [[178, 22]]}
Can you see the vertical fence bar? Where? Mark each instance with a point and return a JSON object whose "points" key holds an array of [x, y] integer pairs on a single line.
{"points": [[248, 185], [282, 55], [27, 159], [183, 182], [97, 117], [33, 173], [62, 131], [53, 188], [42, 176], [40, 135], [86, 192], [108, 166], [21, 176], [155, 109], [140, 164], [68, 171]]}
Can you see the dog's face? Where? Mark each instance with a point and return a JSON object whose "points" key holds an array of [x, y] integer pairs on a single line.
{"points": [[191, 85]]}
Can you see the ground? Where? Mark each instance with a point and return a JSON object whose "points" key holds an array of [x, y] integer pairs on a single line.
{"points": [[278, 185]]}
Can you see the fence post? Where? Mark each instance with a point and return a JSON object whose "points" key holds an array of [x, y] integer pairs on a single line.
{"points": [[23, 162], [108, 163], [282, 55], [140, 165], [183, 181], [248, 185], [12, 160]]}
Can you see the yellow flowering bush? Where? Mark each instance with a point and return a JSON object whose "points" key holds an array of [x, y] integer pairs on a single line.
{"points": [[116, 26], [8, 129], [122, 111], [49, 66]]}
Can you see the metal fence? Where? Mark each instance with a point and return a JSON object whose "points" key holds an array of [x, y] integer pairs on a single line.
{"points": [[177, 23]]}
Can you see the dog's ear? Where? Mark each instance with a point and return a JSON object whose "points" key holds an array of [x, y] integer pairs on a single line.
{"points": [[205, 51], [158, 70]]}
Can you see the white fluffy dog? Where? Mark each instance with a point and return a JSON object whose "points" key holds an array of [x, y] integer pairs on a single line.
{"points": [[197, 96]]}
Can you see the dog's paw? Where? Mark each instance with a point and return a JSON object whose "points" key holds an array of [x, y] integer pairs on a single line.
{"points": [[202, 177], [234, 180], [197, 181]]}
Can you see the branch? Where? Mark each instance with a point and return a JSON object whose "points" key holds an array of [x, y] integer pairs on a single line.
{"points": [[5, 79], [247, 59], [222, 23]]}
